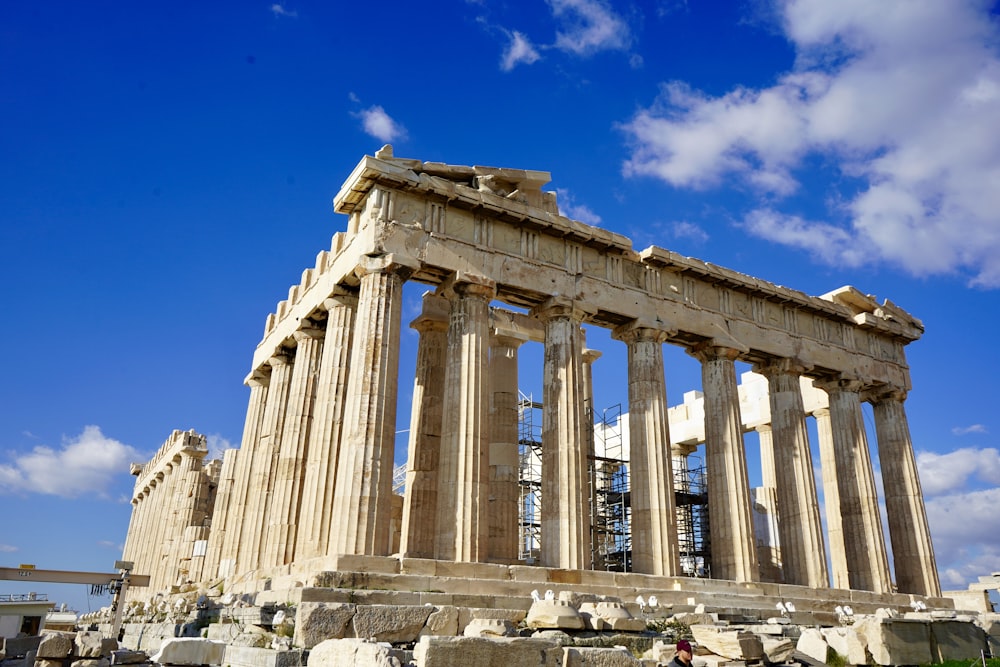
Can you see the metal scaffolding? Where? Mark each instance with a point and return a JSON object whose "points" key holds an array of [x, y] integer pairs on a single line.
{"points": [[529, 454], [610, 502], [693, 537]]}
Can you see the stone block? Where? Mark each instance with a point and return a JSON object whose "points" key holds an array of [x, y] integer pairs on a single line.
{"points": [[91, 662], [467, 614], [777, 649], [127, 657], [18, 647], [812, 643], [351, 653], [318, 621], [48, 662], [598, 657], [232, 634], [389, 623], [487, 652], [247, 656], [489, 627], [957, 640], [88, 644], [190, 651], [442, 621], [896, 641], [847, 643], [732, 644], [610, 616], [54, 645], [554, 614]]}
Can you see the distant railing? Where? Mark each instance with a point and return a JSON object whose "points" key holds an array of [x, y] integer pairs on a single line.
{"points": [[25, 597]]}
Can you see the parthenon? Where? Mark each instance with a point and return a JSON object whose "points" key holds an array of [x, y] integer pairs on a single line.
{"points": [[311, 486]]}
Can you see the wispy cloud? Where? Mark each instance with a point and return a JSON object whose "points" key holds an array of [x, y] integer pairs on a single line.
{"points": [[589, 26], [82, 466], [217, 446], [520, 50], [571, 209], [7, 549], [690, 231], [965, 430], [897, 99], [377, 123], [956, 471], [280, 10]]}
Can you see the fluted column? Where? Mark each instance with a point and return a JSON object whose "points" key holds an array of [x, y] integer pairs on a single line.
{"points": [[362, 505], [463, 470], [313, 535], [867, 563], [289, 474], [504, 462], [831, 501], [565, 534], [912, 549], [654, 518], [803, 556], [734, 554], [424, 449], [222, 513], [262, 467], [234, 517]]}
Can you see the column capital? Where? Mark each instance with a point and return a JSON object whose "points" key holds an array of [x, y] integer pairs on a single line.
{"points": [[763, 428], [433, 315], [639, 331], [341, 296], [590, 356], [787, 366], [505, 338], [710, 350], [258, 377], [839, 384], [482, 288], [309, 332], [559, 306], [402, 265], [281, 358], [882, 393]]}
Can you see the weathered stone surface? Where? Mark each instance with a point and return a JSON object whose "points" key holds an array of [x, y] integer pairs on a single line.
{"points": [[489, 627], [957, 640], [91, 662], [486, 652], [246, 656], [777, 650], [19, 646], [351, 653], [88, 644], [610, 616], [127, 657], [847, 643], [442, 621], [390, 623], [232, 634], [190, 651], [54, 645], [318, 621], [467, 614], [813, 644], [554, 614], [48, 662], [896, 641], [732, 644], [598, 657]]}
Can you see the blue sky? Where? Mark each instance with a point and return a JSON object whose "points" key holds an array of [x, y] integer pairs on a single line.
{"points": [[167, 171]]}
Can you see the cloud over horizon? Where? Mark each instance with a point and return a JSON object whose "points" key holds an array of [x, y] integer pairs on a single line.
{"points": [[900, 98], [379, 124]]}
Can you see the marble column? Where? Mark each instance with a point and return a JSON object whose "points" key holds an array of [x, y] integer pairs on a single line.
{"points": [[313, 537], [504, 462], [651, 477], [831, 501], [424, 450], [235, 518], [766, 511], [734, 554], [867, 562], [362, 504], [289, 474], [262, 467], [223, 517], [912, 550], [564, 521], [803, 556], [463, 470]]}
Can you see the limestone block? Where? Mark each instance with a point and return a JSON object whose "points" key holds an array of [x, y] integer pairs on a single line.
{"points": [[487, 652], [246, 656], [250, 636], [351, 653], [554, 614], [48, 662], [598, 657], [190, 651], [88, 644], [846, 642], [896, 641], [813, 644], [442, 621], [16, 647], [54, 645], [610, 616], [696, 618], [91, 662], [108, 644], [389, 623], [316, 621], [778, 649], [127, 657], [467, 614], [732, 644], [956, 640], [489, 627]]}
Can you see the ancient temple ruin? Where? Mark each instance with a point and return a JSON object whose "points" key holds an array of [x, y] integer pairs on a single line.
{"points": [[310, 490]]}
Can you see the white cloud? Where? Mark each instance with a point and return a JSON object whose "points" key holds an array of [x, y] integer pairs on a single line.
{"points": [[7, 549], [571, 209], [589, 26], [954, 471], [900, 97], [279, 10], [966, 532], [520, 50], [217, 446], [688, 230], [377, 123], [83, 466], [965, 430]]}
